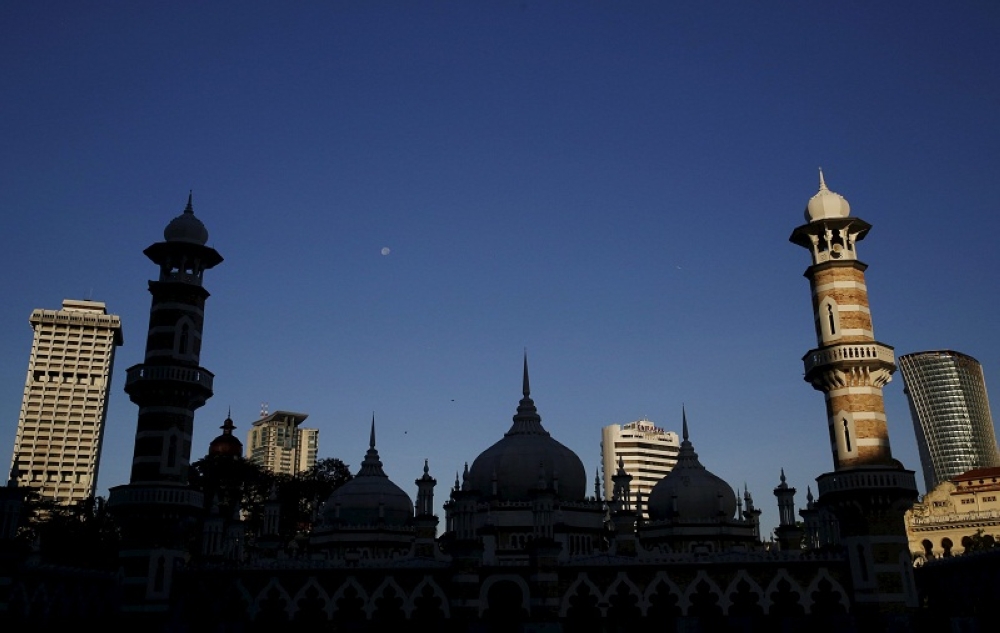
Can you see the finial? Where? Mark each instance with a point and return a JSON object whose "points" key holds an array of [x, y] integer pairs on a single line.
{"points": [[822, 182], [427, 469], [189, 208], [371, 440], [782, 475], [525, 387], [684, 418]]}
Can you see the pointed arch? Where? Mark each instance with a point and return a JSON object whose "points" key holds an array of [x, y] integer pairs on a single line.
{"points": [[738, 598], [427, 589], [826, 595], [389, 583], [702, 597], [484, 591], [784, 595], [579, 587], [321, 597], [662, 597], [269, 600], [347, 596], [624, 600]]}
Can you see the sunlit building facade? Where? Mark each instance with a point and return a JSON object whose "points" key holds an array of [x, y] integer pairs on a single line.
{"points": [[951, 414], [647, 452], [277, 443], [61, 426]]}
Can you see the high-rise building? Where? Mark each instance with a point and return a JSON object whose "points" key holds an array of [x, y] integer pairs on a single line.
{"points": [[951, 414], [647, 453], [59, 432], [276, 442]]}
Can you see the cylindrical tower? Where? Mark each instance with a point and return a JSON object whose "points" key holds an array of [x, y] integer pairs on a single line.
{"points": [[848, 365], [157, 510], [868, 491]]}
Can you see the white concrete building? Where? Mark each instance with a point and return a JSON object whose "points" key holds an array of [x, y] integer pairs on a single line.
{"points": [[647, 452], [276, 442], [61, 426]]}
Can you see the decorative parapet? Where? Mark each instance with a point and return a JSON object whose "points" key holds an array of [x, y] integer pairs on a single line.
{"points": [[152, 373], [845, 481], [958, 519], [850, 365], [158, 495]]}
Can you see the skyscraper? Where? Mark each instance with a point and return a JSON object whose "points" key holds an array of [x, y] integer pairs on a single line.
{"points": [[59, 432], [647, 453], [276, 442], [951, 414]]}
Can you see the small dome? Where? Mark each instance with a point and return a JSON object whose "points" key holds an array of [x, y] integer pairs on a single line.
{"points": [[226, 444], [527, 456], [186, 228], [689, 492], [370, 497], [826, 205]]}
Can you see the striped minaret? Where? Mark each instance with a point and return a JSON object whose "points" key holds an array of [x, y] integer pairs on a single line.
{"points": [[157, 508], [848, 365], [868, 491]]}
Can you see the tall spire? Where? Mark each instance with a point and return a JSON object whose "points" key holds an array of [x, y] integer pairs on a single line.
{"points": [[190, 207], [822, 181], [372, 465], [525, 384], [684, 418], [526, 420]]}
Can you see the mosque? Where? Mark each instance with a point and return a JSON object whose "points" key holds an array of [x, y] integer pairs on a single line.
{"points": [[524, 546]]}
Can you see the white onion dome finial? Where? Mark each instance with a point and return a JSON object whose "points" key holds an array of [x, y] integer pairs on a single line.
{"points": [[186, 227], [826, 204]]}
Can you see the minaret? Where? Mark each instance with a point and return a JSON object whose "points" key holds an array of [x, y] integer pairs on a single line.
{"points": [[157, 508], [869, 490], [789, 535]]}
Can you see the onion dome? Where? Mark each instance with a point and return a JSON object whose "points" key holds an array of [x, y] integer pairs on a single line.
{"points": [[226, 444], [527, 459], [186, 228], [826, 205], [370, 497], [689, 492]]}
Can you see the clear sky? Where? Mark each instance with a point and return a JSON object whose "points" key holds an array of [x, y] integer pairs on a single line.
{"points": [[609, 185]]}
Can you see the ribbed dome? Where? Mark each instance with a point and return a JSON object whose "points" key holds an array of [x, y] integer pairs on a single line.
{"points": [[826, 205], [700, 495], [370, 498], [226, 444], [186, 228], [525, 457]]}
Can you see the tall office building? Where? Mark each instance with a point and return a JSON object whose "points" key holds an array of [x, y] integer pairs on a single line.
{"points": [[647, 452], [59, 432], [951, 414], [276, 442]]}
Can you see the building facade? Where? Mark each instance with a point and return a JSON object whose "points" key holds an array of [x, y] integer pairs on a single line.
{"points": [[646, 451], [958, 514], [277, 442], [60, 429], [951, 414]]}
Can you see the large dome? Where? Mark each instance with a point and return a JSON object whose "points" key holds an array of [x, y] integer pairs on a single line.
{"points": [[689, 492], [526, 457], [226, 444], [370, 498], [186, 228]]}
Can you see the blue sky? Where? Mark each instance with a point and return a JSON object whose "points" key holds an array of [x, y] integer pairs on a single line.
{"points": [[608, 185]]}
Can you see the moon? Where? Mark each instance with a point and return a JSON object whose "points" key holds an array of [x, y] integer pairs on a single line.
{"points": [[385, 250]]}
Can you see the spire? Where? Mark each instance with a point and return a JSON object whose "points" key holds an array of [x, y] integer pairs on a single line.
{"points": [[684, 418], [526, 420], [372, 465], [189, 208], [525, 386], [822, 181]]}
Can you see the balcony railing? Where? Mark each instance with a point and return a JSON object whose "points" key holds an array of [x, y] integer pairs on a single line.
{"points": [[143, 373], [866, 480], [849, 352]]}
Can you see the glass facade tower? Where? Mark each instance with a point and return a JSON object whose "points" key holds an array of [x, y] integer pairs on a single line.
{"points": [[951, 414]]}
